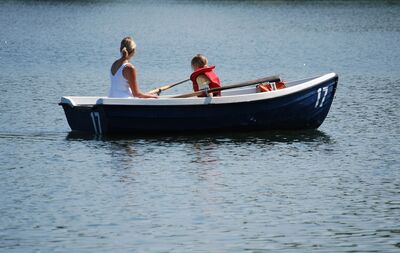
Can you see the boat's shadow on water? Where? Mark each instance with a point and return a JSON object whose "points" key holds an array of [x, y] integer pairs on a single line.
{"points": [[308, 136]]}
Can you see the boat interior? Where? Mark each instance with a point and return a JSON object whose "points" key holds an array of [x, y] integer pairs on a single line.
{"points": [[89, 101]]}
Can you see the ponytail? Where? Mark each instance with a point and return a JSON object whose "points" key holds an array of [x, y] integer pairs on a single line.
{"points": [[128, 46], [124, 53]]}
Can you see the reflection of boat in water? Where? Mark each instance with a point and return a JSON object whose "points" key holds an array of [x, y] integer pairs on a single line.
{"points": [[303, 104], [253, 137]]}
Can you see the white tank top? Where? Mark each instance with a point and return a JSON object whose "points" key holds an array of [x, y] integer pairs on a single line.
{"points": [[119, 85]]}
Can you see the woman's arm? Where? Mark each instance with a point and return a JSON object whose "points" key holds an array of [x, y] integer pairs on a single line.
{"points": [[129, 72]]}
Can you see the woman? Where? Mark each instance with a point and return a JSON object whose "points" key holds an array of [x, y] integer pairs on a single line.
{"points": [[123, 74]]}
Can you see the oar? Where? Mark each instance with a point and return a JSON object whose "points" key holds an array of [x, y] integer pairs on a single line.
{"points": [[166, 87], [232, 86]]}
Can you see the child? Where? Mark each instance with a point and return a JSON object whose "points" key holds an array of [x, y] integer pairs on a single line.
{"points": [[123, 74], [203, 76]]}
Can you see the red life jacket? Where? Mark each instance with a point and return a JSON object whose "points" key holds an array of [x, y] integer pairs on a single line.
{"points": [[268, 87], [210, 74]]}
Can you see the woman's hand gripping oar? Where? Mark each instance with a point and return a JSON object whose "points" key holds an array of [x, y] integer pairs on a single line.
{"points": [[166, 87]]}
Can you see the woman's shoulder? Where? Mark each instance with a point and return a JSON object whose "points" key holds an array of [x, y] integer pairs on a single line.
{"points": [[118, 64], [128, 70], [128, 66]]}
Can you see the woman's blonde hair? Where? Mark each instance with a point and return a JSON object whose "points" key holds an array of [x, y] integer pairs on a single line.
{"points": [[128, 46], [199, 61]]}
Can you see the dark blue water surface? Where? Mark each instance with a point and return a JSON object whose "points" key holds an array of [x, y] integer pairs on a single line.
{"points": [[336, 189]]}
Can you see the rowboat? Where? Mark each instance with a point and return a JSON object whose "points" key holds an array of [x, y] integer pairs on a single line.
{"points": [[303, 104]]}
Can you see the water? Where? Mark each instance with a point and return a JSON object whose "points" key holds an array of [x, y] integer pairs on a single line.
{"points": [[336, 189]]}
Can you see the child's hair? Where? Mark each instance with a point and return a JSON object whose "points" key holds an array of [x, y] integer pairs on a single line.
{"points": [[199, 61], [128, 46]]}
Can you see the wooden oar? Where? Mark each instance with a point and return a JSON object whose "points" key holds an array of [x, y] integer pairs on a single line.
{"points": [[232, 86], [166, 87]]}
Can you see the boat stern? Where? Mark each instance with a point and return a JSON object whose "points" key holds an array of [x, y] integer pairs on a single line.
{"points": [[81, 114]]}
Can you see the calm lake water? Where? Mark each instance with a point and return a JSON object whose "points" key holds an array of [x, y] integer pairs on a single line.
{"points": [[336, 189]]}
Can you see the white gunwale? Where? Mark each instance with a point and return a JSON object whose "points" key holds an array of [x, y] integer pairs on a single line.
{"points": [[248, 95]]}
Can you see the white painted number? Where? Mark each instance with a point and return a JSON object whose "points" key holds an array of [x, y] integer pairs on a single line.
{"points": [[320, 102], [96, 122]]}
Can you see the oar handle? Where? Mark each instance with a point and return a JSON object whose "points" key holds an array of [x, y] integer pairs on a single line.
{"points": [[166, 87], [274, 78]]}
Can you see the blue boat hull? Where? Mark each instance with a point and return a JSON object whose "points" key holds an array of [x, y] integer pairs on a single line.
{"points": [[306, 109]]}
